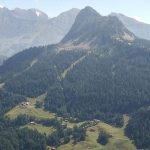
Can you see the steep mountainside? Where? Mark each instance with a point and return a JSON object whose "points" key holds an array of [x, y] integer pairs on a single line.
{"points": [[31, 28], [100, 70], [95, 30], [140, 29]]}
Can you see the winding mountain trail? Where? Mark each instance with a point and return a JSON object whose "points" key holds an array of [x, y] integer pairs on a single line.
{"points": [[66, 71], [33, 62]]}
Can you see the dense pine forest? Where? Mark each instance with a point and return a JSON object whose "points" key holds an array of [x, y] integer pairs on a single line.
{"points": [[138, 128], [14, 138]]}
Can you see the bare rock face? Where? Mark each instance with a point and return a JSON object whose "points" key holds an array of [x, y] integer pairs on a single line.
{"points": [[21, 29], [91, 30], [140, 29]]}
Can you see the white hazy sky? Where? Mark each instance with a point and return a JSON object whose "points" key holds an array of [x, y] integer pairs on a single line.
{"points": [[138, 9]]}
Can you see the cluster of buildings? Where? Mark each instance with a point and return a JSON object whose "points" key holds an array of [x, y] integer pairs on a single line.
{"points": [[24, 104]]}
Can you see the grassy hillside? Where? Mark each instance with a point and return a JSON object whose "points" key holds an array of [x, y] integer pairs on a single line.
{"points": [[118, 141], [30, 110], [40, 128]]}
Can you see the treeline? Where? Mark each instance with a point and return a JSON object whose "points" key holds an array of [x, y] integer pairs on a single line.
{"points": [[24, 119], [8, 101], [138, 129], [12, 137], [64, 136], [21, 139], [16, 138], [103, 137]]}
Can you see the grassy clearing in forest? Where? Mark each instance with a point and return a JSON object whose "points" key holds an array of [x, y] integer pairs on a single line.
{"points": [[30, 110], [40, 128], [118, 141]]}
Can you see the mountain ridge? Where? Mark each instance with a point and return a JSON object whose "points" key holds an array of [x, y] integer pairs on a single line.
{"points": [[91, 28], [45, 31], [140, 29], [32, 28]]}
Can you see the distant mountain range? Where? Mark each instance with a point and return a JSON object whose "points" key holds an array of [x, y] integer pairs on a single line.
{"points": [[21, 29]]}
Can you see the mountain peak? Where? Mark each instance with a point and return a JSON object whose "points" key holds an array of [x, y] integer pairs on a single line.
{"points": [[89, 9], [91, 29], [82, 25], [88, 12]]}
